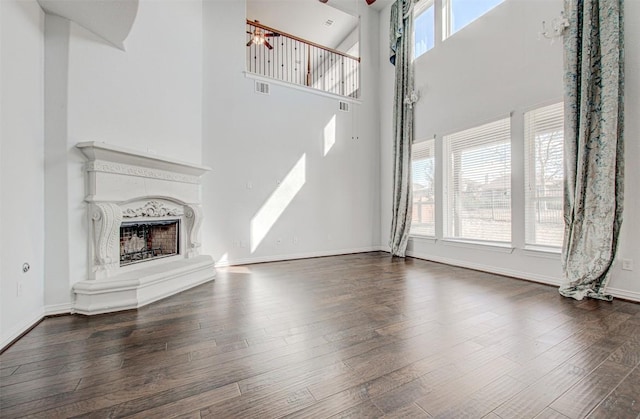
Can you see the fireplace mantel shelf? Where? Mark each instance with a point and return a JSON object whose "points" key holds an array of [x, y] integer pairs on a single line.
{"points": [[96, 150]]}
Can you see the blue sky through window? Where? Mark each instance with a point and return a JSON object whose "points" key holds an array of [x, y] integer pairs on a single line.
{"points": [[424, 32], [464, 12]]}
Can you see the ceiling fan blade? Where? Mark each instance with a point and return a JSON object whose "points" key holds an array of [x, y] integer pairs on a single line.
{"points": [[250, 42], [267, 44], [272, 35], [323, 1]]}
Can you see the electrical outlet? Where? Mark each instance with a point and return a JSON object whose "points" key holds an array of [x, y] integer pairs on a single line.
{"points": [[627, 264], [18, 289], [295, 240]]}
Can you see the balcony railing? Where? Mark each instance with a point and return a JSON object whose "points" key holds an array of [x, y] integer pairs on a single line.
{"points": [[281, 56]]}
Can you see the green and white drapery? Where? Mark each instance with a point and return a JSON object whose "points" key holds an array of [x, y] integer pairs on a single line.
{"points": [[594, 149], [401, 55]]}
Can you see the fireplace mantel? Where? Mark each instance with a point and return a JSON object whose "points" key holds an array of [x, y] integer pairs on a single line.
{"points": [[129, 185], [99, 151]]}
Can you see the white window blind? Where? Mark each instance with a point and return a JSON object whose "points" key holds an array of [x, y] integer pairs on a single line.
{"points": [[422, 177], [477, 183], [544, 175]]}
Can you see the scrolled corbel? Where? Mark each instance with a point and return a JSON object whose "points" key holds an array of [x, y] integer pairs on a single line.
{"points": [[193, 221], [106, 219]]}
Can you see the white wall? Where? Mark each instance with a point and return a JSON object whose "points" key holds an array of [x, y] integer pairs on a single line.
{"points": [[629, 241], [148, 98], [253, 141], [492, 67], [21, 166]]}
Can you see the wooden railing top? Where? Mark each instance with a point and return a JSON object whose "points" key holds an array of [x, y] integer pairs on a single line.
{"points": [[304, 41]]}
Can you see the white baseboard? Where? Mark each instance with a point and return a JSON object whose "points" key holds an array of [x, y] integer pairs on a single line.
{"points": [[627, 295], [543, 279], [20, 328], [277, 258], [56, 309], [548, 280]]}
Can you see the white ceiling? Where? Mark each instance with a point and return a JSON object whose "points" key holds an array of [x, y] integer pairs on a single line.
{"points": [[306, 18]]}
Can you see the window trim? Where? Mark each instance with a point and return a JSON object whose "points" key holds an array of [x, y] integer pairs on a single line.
{"points": [[502, 247]]}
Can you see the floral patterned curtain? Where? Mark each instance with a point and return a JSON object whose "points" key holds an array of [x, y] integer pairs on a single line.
{"points": [[401, 55], [594, 148]]}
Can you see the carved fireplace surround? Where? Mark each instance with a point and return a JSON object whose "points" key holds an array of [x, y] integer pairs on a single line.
{"points": [[129, 186]]}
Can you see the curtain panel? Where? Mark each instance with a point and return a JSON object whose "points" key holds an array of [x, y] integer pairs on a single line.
{"points": [[401, 55], [594, 148]]}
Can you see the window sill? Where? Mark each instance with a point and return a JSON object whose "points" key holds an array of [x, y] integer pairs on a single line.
{"points": [[542, 252], [416, 237], [470, 244]]}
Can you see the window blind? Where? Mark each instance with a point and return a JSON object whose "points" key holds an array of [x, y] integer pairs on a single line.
{"points": [[422, 177], [477, 183], [544, 175]]}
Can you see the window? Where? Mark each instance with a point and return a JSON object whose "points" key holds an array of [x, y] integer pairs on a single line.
{"points": [[477, 183], [459, 13], [544, 175], [423, 28], [422, 178]]}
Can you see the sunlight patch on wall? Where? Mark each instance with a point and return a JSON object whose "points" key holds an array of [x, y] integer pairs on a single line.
{"points": [[279, 200], [329, 135]]}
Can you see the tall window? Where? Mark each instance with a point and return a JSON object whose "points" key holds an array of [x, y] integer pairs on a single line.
{"points": [[477, 183], [423, 27], [459, 13], [422, 177], [544, 174]]}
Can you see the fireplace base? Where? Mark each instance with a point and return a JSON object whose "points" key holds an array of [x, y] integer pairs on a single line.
{"points": [[143, 286]]}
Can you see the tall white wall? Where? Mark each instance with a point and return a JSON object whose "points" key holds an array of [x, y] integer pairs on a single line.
{"points": [[148, 98], [629, 246], [328, 204], [21, 166], [495, 66]]}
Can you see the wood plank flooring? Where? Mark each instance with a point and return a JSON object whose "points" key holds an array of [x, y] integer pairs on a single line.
{"points": [[355, 336]]}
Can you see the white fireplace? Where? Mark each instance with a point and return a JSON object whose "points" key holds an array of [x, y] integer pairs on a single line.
{"points": [[144, 217]]}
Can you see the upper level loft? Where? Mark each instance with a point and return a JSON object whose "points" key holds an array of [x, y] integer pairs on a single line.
{"points": [[320, 50]]}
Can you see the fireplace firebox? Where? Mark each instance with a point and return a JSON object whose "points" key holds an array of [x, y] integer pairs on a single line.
{"points": [[145, 241]]}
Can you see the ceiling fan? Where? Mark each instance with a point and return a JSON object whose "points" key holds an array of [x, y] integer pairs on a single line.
{"points": [[369, 2], [259, 37]]}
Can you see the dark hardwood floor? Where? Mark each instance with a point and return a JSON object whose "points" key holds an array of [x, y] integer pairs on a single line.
{"points": [[350, 336]]}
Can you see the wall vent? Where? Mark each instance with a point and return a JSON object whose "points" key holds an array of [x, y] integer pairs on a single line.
{"points": [[344, 106], [262, 87]]}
